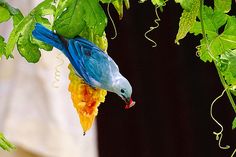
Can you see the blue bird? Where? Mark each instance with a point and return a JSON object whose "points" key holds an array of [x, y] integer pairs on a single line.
{"points": [[90, 63]]}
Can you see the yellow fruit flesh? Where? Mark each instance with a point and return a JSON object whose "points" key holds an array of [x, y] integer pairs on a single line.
{"points": [[85, 99]]}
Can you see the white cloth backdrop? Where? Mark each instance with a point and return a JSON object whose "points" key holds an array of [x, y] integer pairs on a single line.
{"points": [[33, 113]]}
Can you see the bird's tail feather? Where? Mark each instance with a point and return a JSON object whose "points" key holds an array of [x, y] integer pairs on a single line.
{"points": [[43, 34]]}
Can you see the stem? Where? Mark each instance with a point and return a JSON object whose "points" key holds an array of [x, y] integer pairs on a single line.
{"points": [[215, 61], [227, 89], [202, 24]]}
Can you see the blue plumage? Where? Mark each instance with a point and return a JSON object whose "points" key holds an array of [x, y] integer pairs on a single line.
{"points": [[94, 66]]}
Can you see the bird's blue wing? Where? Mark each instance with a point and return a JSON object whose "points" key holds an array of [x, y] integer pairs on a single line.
{"points": [[89, 45], [96, 67], [84, 41], [77, 62]]}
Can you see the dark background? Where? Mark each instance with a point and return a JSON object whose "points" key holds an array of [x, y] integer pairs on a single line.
{"points": [[173, 90]]}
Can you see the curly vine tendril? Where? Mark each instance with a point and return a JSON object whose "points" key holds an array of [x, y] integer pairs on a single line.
{"points": [[112, 21], [233, 153], [153, 27], [219, 135], [57, 73]]}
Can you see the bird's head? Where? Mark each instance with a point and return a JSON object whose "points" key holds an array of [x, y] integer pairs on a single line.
{"points": [[123, 88]]}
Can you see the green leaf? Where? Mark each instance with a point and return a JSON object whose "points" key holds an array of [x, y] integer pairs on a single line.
{"points": [[127, 4], [100, 41], [107, 1], [39, 43], [217, 43], [2, 46], [17, 17], [228, 37], [29, 46], [14, 35], [185, 4], [22, 33], [187, 20], [15, 13], [69, 18], [118, 4], [5, 15], [234, 123], [142, 1], [159, 3], [73, 15], [212, 22], [95, 17], [223, 5], [5, 144], [227, 64]]}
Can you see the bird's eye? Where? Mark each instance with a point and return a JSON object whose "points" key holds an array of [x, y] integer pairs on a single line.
{"points": [[122, 90]]}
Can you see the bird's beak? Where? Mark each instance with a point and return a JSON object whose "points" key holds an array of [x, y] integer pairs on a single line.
{"points": [[129, 103]]}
